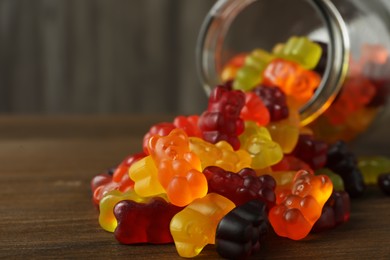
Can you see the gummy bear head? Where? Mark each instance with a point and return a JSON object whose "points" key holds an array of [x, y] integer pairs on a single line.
{"points": [[173, 146], [228, 102], [318, 186]]}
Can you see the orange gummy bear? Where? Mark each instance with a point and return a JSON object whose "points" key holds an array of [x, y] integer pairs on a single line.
{"points": [[179, 169], [301, 208], [293, 79]]}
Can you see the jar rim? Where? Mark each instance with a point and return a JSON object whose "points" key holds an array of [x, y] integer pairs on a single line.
{"points": [[223, 13]]}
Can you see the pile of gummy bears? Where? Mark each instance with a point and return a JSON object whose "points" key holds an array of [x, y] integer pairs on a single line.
{"points": [[241, 167]]}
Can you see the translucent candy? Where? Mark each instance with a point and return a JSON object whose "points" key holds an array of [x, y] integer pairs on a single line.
{"points": [[221, 154], [257, 142], [195, 226], [250, 75], [301, 50]]}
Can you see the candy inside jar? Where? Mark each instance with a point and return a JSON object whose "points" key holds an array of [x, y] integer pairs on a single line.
{"points": [[331, 58]]}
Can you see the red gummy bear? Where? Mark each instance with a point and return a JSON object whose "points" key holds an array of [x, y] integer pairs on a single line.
{"points": [[188, 124], [103, 183], [313, 152], [144, 223], [221, 121], [255, 110], [291, 163]]}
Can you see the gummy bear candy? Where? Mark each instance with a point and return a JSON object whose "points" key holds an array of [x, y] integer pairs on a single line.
{"points": [[240, 232], [195, 226], [284, 182], [145, 176], [250, 74], [107, 219], [344, 163], [356, 93], [335, 212], [221, 121], [296, 215], [161, 129], [123, 167], [119, 181], [311, 151], [258, 143], [294, 80], [338, 184], [242, 186], [179, 169], [286, 132], [188, 124], [372, 167], [255, 110], [220, 154], [144, 222], [229, 71], [301, 50], [100, 180], [291, 163], [275, 100]]}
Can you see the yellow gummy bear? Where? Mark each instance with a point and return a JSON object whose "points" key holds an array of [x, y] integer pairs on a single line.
{"points": [[220, 154], [258, 143], [145, 176], [194, 227], [286, 132]]}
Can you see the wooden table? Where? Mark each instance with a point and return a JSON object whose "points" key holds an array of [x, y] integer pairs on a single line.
{"points": [[46, 209]]}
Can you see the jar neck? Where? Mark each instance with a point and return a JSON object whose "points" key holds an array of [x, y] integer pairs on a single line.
{"points": [[217, 23]]}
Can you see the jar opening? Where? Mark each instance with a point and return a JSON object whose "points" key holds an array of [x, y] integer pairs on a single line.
{"points": [[241, 26]]}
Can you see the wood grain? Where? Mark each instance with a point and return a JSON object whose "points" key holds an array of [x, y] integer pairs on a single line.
{"points": [[46, 209]]}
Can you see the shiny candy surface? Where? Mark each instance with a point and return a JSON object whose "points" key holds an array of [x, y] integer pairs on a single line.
{"points": [[220, 154], [195, 226], [301, 208], [179, 169], [258, 143]]}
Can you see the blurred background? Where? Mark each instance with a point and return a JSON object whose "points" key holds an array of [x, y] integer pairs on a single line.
{"points": [[100, 56]]}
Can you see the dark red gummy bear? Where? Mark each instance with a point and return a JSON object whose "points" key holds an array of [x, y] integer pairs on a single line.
{"points": [[311, 151], [144, 223], [275, 101], [221, 121], [344, 163], [240, 232], [241, 187], [336, 211]]}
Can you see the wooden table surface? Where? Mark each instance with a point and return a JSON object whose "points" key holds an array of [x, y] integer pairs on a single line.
{"points": [[45, 199]]}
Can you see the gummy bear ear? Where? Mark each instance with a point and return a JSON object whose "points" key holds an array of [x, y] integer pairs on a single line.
{"points": [[179, 133], [217, 93], [153, 142], [300, 174]]}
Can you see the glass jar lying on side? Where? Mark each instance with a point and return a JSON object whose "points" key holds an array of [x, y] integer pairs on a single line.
{"points": [[355, 63]]}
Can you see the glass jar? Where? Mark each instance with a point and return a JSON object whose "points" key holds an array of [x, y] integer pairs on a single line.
{"points": [[356, 33]]}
